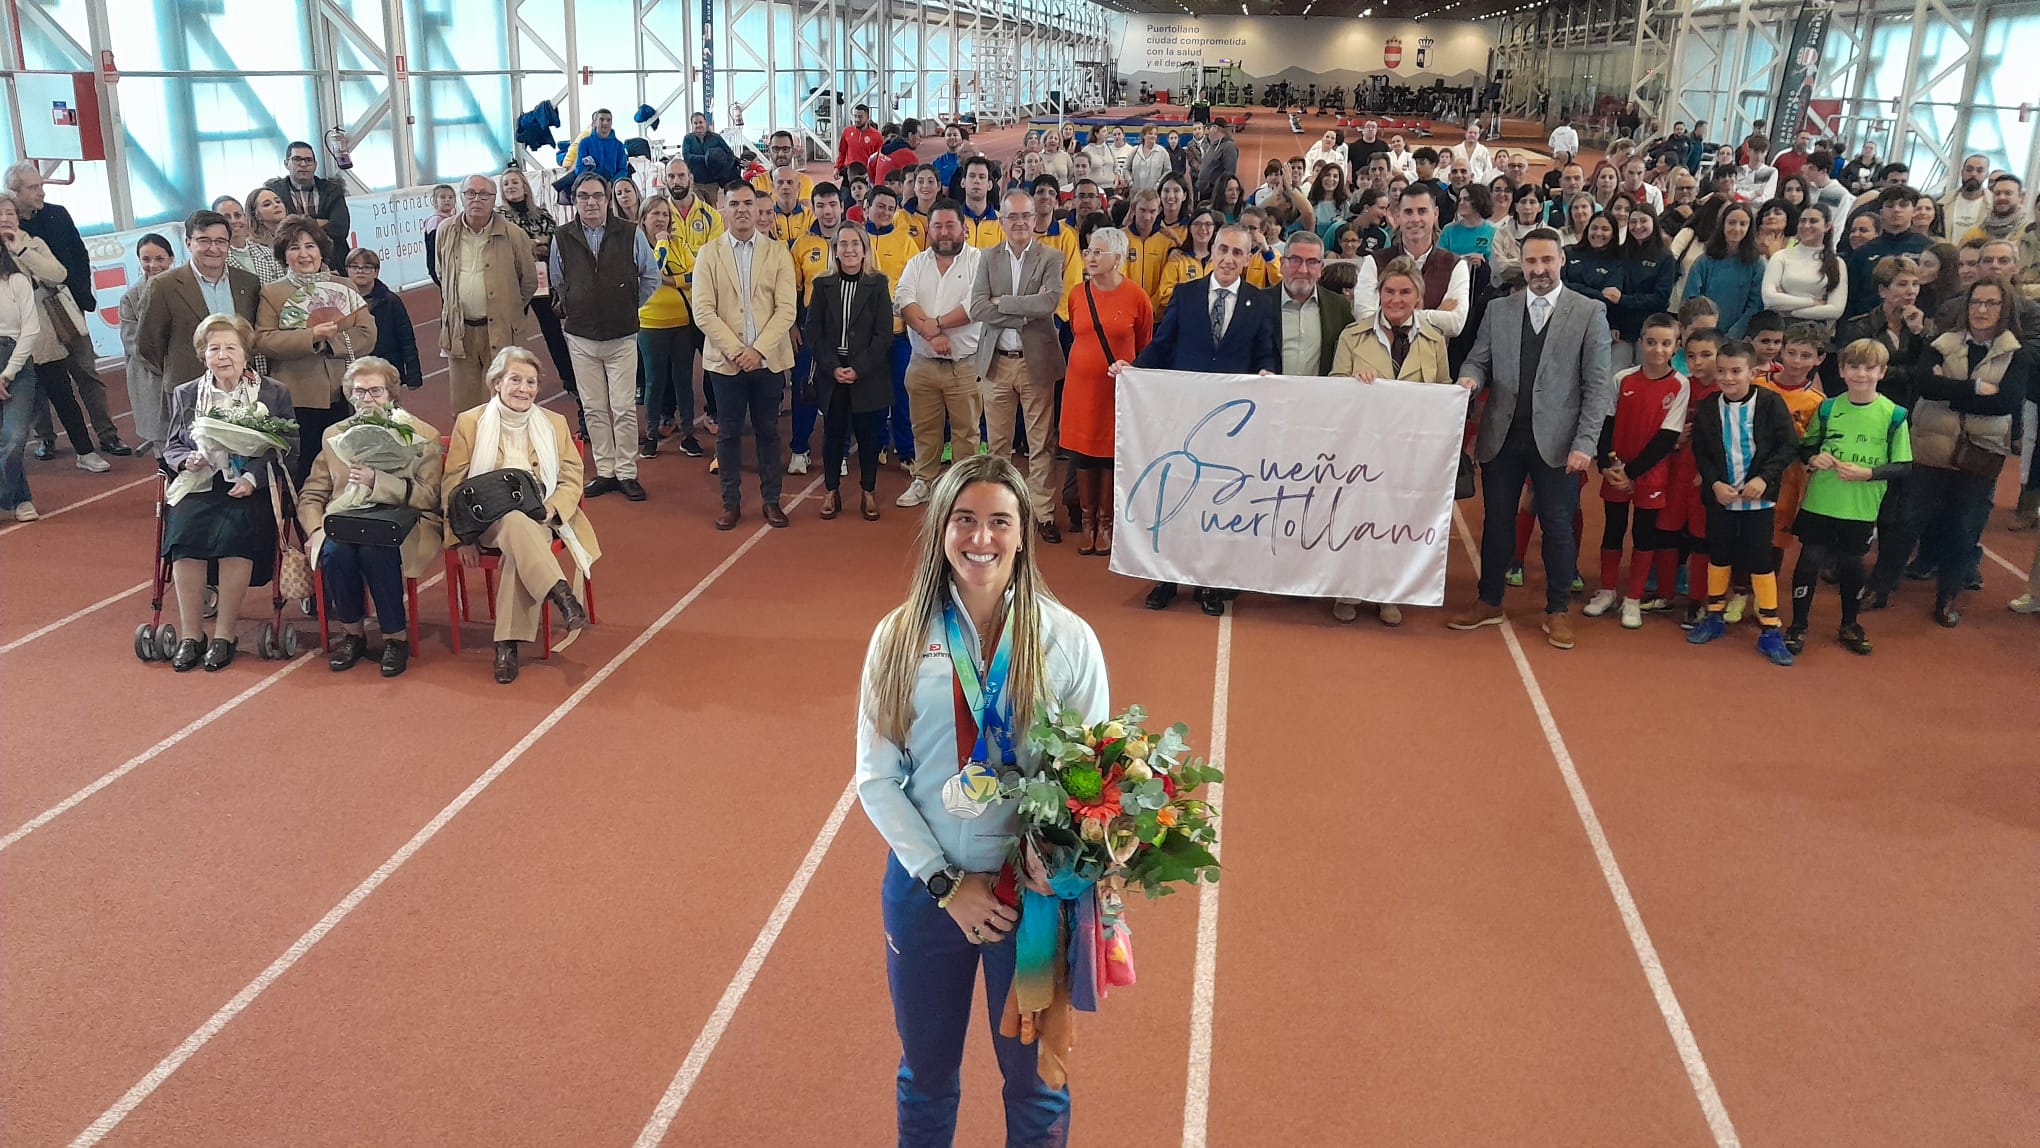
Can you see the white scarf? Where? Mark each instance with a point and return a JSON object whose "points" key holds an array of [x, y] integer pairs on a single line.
{"points": [[489, 427]]}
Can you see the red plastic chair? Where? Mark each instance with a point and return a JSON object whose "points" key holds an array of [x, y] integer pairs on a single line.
{"points": [[458, 608], [325, 629]]}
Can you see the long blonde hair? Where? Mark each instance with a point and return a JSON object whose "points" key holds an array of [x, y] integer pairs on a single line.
{"points": [[905, 630]]}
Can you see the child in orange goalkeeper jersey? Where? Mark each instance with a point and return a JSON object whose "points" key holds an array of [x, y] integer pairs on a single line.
{"points": [[1796, 379]]}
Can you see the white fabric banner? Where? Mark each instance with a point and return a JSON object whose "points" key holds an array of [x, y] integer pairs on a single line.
{"points": [[1319, 487]]}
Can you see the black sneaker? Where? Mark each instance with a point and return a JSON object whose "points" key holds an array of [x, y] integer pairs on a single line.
{"points": [[45, 450], [1694, 612], [648, 446], [1875, 599], [112, 445], [1853, 639], [1795, 640], [690, 446], [1918, 573], [1973, 583]]}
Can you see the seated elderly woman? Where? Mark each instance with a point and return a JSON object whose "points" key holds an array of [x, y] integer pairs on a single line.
{"points": [[309, 325], [370, 474], [512, 432], [220, 506]]}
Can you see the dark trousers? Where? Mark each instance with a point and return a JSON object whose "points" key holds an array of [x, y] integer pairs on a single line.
{"points": [[1556, 496], [78, 370], [933, 970], [901, 417], [53, 391], [1956, 502], [805, 414], [667, 355], [555, 341], [347, 569], [837, 422], [757, 394]]}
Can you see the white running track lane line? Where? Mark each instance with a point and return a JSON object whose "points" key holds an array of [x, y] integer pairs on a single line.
{"points": [[168, 1066], [2001, 560], [733, 995], [46, 515], [1697, 1075], [66, 620], [171, 742], [1204, 982]]}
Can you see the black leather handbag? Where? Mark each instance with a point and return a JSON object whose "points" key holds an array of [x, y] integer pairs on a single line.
{"points": [[371, 525], [481, 499]]}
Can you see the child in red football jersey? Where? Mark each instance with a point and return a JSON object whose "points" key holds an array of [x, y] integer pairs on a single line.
{"points": [[1685, 514], [1644, 431]]}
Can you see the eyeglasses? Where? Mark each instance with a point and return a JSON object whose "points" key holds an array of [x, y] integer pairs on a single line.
{"points": [[478, 195], [371, 392], [1301, 261], [1988, 304], [207, 241]]}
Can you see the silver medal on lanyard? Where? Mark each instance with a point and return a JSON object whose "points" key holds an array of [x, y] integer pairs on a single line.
{"points": [[974, 786]]}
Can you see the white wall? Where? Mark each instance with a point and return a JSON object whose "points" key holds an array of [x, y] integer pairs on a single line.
{"points": [[1326, 51]]}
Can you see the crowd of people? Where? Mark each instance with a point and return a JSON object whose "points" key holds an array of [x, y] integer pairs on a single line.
{"points": [[1627, 321]]}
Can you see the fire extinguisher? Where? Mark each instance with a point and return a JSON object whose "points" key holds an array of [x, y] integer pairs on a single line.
{"points": [[336, 146]]}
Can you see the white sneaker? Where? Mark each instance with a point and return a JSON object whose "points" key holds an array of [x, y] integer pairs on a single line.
{"points": [[24, 511], [1390, 614], [91, 461], [1602, 602], [2023, 604], [798, 464], [915, 494], [1632, 614]]}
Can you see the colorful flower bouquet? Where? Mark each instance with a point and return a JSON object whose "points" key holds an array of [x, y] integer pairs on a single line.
{"points": [[1112, 805]]}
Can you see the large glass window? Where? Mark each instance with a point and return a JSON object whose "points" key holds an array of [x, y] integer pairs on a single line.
{"points": [[212, 90], [1997, 126]]}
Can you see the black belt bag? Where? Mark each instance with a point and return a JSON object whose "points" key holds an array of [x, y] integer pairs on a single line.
{"points": [[371, 525], [481, 499]]}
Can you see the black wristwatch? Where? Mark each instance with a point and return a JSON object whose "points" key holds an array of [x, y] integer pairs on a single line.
{"points": [[942, 884]]}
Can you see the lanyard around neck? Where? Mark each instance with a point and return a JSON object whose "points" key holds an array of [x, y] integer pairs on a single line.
{"points": [[983, 692]]}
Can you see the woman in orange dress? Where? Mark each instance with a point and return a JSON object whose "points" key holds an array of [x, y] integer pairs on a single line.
{"points": [[1124, 319]]}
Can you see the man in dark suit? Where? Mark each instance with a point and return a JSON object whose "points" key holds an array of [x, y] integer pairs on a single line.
{"points": [[1219, 324], [322, 200], [1542, 355], [183, 296]]}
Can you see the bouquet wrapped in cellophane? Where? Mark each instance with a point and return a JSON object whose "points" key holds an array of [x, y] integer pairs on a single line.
{"points": [[233, 438], [1112, 805], [383, 441]]}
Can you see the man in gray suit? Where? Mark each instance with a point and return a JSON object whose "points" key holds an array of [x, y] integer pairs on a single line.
{"points": [[1221, 159], [1542, 353], [1019, 358]]}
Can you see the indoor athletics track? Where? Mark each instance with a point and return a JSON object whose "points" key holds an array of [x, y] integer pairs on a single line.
{"points": [[1478, 891]]}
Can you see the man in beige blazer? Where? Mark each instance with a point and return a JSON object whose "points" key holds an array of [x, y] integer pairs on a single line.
{"points": [[744, 303], [183, 296], [1019, 285], [487, 277]]}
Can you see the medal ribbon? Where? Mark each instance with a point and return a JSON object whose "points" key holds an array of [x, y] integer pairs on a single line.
{"points": [[983, 693]]}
